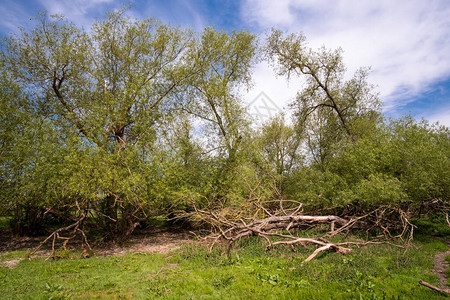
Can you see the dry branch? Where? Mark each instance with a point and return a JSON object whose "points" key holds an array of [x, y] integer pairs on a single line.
{"points": [[74, 228], [231, 225], [445, 291], [327, 247], [271, 226]]}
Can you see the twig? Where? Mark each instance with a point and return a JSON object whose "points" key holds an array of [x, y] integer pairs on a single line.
{"points": [[349, 224], [102, 214]]}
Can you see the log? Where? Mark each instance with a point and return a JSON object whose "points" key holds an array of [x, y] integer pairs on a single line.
{"points": [[298, 218], [289, 222]]}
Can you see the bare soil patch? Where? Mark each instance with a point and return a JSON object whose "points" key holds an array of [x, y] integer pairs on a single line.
{"points": [[156, 240], [10, 263], [9, 242], [161, 240]]}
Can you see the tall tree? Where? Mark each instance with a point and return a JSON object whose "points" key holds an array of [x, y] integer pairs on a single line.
{"points": [[325, 89], [111, 85], [222, 65]]}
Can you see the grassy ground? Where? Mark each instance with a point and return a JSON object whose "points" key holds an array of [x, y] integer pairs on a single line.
{"points": [[370, 272]]}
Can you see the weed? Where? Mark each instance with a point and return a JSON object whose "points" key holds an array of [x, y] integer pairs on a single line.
{"points": [[222, 281], [272, 279]]}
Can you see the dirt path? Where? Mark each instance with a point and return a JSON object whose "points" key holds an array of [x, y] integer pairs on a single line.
{"points": [[440, 267]]}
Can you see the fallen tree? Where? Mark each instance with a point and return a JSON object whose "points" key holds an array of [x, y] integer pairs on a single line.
{"points": [[282, 227]]}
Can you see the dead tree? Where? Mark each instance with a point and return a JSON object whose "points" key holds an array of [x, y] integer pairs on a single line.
{"points": [[280, 224]]}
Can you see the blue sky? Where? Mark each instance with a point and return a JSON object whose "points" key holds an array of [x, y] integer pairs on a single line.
{"points": [[406, 43]]}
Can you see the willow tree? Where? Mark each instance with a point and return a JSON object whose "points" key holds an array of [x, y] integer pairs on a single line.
{"points": [[32, 155], [222, 64], [328, 105], [279, 148], [111, 85]]}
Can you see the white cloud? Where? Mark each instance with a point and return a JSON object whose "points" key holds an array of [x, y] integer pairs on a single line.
{"points": [[276, 88], [407, 43], [268, 12]]}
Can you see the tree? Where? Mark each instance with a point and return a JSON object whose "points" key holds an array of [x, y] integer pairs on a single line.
{"points": [[419, 157], [111, 85], [401, 165], [327, 102], [30, 163], [278, 146], [222, 64], [134, 118]]}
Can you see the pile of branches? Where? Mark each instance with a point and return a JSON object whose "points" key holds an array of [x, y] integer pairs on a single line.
{"points": [[282, 226]]}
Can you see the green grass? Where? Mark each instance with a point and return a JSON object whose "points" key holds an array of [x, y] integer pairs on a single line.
{"points": [[371, 272]]}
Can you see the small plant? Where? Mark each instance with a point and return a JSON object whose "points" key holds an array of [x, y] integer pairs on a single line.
{"points": [[272, 279], [63, 253], [347, 260], [364, 282], [222, 281], [56, 291], [50, 288]]}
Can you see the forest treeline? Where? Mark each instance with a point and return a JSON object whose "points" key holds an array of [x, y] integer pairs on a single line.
{"points": [[134, 119]]}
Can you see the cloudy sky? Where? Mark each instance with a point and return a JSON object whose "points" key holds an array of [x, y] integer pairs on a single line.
{"points": [[405, 42]]}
